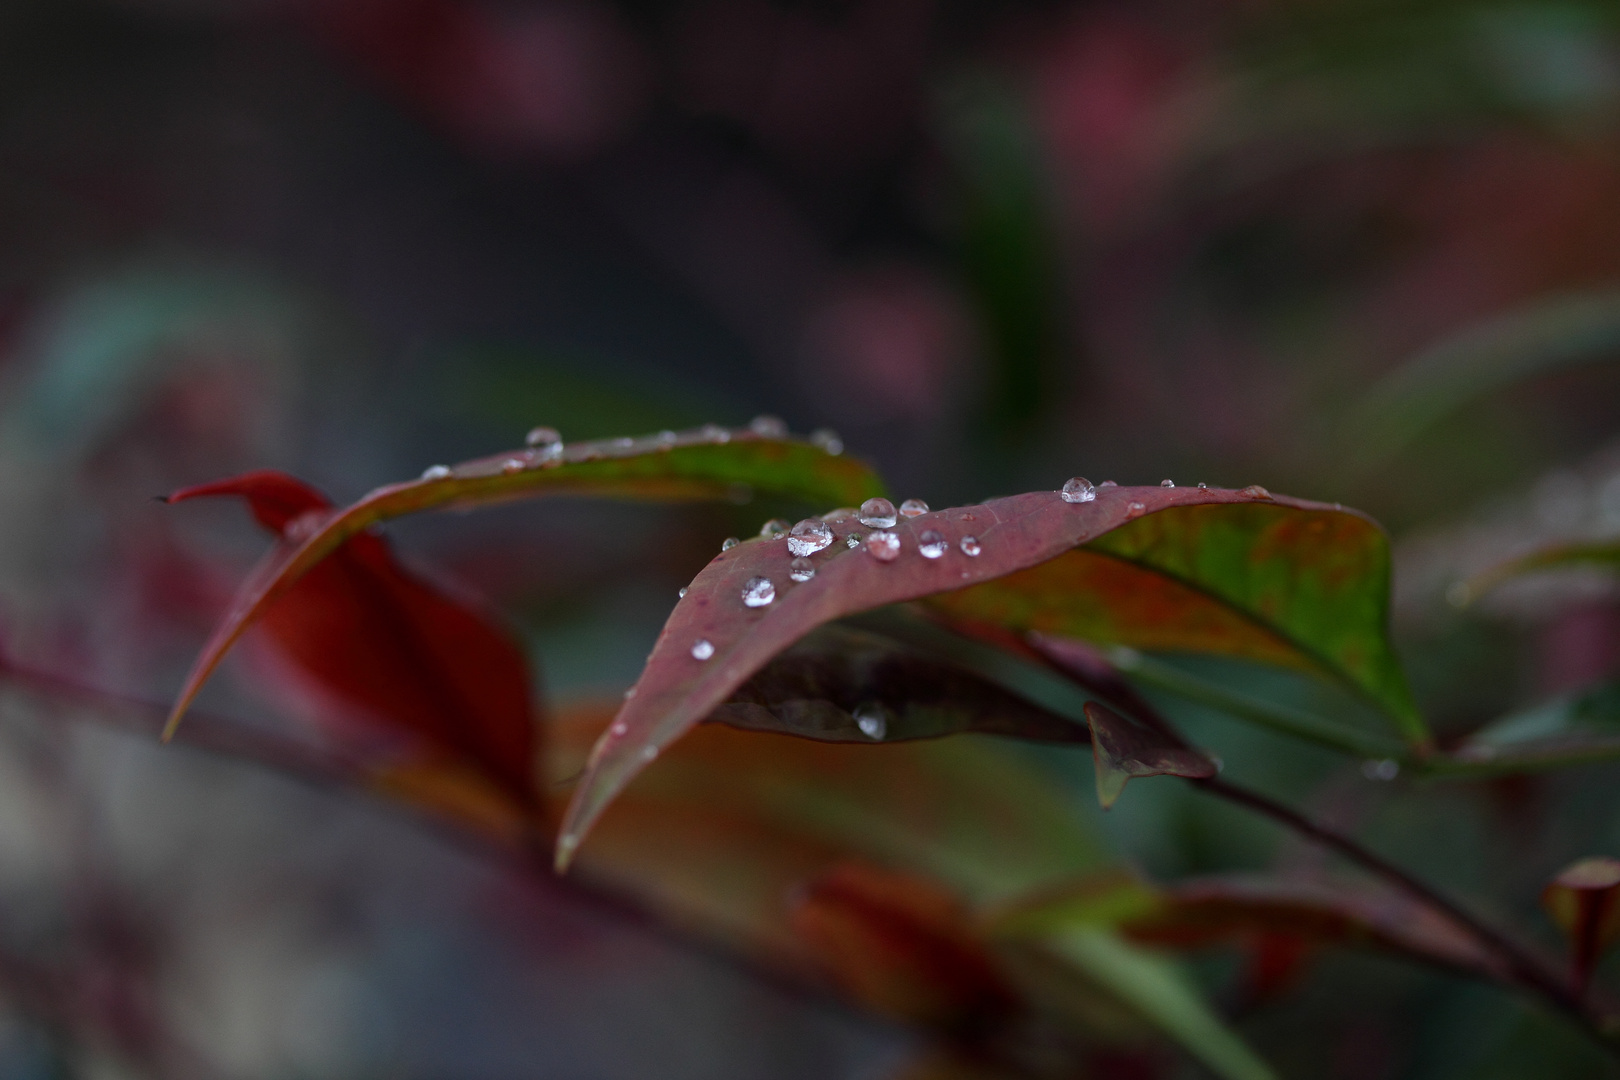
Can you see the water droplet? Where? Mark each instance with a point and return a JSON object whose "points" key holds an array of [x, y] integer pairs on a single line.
{"points": [[774, 529], [1134, 509], [702, 649], [1107, 483], [878, 513], [1255, 491], [630, 693], [542, 436], [1383, 769], [828, 440], [549, 454], [839, 514], [873, 720], [801, 569], [884, 546], [1202, 486], [619, 728], [768, 427], [714, 433], [913, 508], [649, 753], [1078, 490], [853, 540], [623, 442], [1167, 483], [682, 593], [436, 472], [809, 536], [931, 544], [512, 465], [728, 543], [758, 592], [970, 546], [666, 439]]}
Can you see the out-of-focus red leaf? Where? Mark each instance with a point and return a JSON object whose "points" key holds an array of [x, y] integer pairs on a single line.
{"points": [[389, 646], [1124, 749], [1584, 900]]}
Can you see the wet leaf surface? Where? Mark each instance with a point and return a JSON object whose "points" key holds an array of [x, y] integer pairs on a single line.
{"points": [[706, 463]]}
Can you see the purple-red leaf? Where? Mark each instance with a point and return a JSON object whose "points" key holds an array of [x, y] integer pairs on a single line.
{"points": [[1125, 749], [1584, 900]]}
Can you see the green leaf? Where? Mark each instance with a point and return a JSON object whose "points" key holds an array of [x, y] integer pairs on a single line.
{"points": [[707, 463]]}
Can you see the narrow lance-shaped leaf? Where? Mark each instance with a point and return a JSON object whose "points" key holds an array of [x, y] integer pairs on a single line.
{"points": [[1600, 554], [748, 604], [709, 463], [1584, 900], [1124, 750]]}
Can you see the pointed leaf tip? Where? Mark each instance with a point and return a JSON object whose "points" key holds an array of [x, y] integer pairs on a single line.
{"points": [[1124, 750]]}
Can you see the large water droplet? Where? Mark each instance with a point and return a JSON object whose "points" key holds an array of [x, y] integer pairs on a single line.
{"points": [[1167, 483], [878, 513], [768, 427], [513, 465], [913, 508], [873, 720], [436, 472], [728, 543], [542, 436], [758, 592], [931, 544], [970, 546], [828, 440], [1134, 509], [774, 529], [702, 649], [809, 536], [801, 569], [853, 540], [1078, 490], [884, 545]]}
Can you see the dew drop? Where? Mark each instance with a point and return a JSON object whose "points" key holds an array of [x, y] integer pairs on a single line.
{"points": [[873, 720], [884, 546], [1255, 491], [1167, 483], [774, 529], [768, 427], [702, 649], [913, 508], [878, 513], [809, 536], [619, 729], [682, 593], [1107, 483], [853, 540], [1134, 509], [549, 454], [512, 465], [648, 753], [714, 433], [1382, 769], [931, 544], [542, 436], [630, 693], [728, 543], [436, 472], [1078, 490], [801, 569], [970, 546], [828, 440], [758, 592], [839, 514]]}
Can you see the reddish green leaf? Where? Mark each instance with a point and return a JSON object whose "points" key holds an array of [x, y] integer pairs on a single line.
{"points": [[1124, 749], [709, 463], [714, 641], [390, 647], [1584, 900], [846, 685]]}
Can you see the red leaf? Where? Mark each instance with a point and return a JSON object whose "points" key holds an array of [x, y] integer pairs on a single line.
{"points": [[1584, 900], [1124, 749], [390, 646]]}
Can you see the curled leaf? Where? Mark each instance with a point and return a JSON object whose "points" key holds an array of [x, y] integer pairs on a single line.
{"points": [[1584, 900], [1601, 554], [1125, 749]]}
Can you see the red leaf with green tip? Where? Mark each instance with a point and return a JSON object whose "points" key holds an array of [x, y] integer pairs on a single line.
{"points": [[708, 463], [677, 689], [1124, 750], [1584, 900], [388, 645]]}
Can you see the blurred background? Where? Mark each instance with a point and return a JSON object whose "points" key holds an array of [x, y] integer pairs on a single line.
{"points": [[1355, 250]]}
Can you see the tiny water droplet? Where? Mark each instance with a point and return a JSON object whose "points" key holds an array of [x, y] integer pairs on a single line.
{"points": [[758, 592], [873, 720], [774, 529], [1167, 483], [630, 693], [768, 427], [702, 649], [801, 569], [512, 465], [931, 544], [853, 540], [714, 433], [1383, 769], [542, 436], [728, 543], [1078, 490], [649, 753], [682, 593], [970, 546], [1255, 491], [1202, 486], [878, 513], [839, 514], [1134, 509], [809, 536], [884, 546], [1107, 483], [436, 472], [666, 439], [828, 440], [913, 508], [619, 728]]}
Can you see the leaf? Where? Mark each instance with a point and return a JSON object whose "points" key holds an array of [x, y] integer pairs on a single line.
{"points": [[390, 647], [1286, 556], [1124, 749], [1584, 900], [846, 685], [1570, 730], [708, 463], [1603, 554]]}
